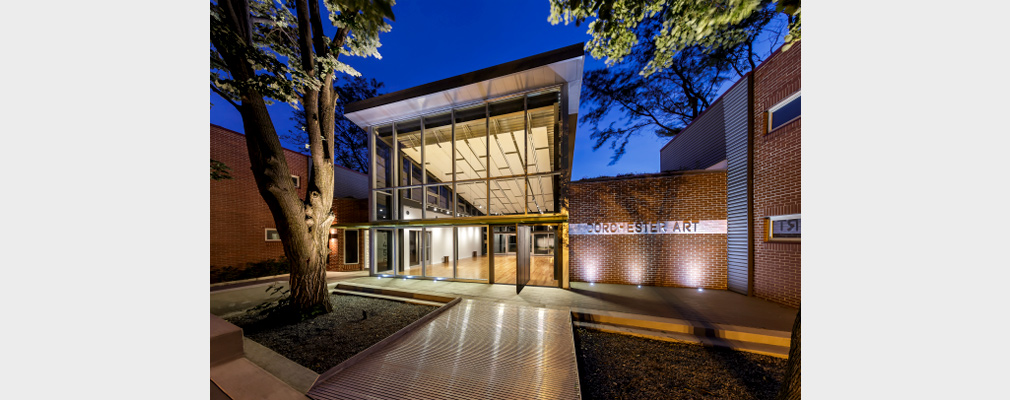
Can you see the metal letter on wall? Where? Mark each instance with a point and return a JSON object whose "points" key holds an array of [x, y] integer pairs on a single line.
{"points": [[523, 234]]}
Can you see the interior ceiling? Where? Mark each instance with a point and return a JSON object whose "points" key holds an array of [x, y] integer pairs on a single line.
{"points": [[507, 155]]}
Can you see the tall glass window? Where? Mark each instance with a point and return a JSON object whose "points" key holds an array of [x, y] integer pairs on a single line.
{"points": [[441, 252], [494, 158], [471, 143], [471, 252], [507, 134], [383, 247], [408, 137], [384, 157]]}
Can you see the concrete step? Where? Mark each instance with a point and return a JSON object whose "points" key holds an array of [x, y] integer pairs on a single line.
{"points": [[241, 379], [430, 297], [757, 348], [289, 372], [225, 341], [387, 297], [697, 329]]}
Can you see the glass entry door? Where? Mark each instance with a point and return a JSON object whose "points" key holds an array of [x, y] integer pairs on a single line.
{"points": [[523, 247]]}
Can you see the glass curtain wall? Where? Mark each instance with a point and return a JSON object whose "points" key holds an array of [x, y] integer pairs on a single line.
{"points": [[488, 159]]}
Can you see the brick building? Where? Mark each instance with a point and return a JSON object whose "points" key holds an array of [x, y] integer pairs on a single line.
{"points": [[753, 132], [674, 205], [242, 229]]}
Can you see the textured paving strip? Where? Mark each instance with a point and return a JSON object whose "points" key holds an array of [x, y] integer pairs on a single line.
{"points": [[476, 349]]}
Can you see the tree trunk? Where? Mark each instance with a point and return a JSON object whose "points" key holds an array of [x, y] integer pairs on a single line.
{"points": [[308, 273], [791, 383], [303, 225]]}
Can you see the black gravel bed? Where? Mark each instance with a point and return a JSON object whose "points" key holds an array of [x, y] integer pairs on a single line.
{"points": [[615, 366], [327, 340]]}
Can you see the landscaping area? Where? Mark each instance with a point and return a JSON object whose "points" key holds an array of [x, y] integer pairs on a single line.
{"points": [[253, 270], [322, 342], [615, 366]]}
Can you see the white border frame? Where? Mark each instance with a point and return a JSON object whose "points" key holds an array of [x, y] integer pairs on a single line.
{"points": [[298, 181], [771, 111], [266, 235], [769, 228]]}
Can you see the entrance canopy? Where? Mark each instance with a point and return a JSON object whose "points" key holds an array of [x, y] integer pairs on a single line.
{"points": [[561, 66]]}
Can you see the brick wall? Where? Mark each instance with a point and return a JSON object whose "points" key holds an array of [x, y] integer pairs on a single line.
{"points": [[678, 260], [348, 210], [238, 214], [776, 179]]}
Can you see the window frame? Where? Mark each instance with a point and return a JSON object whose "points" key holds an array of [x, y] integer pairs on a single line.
{"points": [[778, 106], [266, 235], [769, 231], [298, 181]]}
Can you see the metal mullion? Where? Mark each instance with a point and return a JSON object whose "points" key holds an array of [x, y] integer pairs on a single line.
{"points": [[455, 251], [395, 175], [424, 174], [526, 154], [452, 157], [487, 159], [371, 169], [422, 252]]}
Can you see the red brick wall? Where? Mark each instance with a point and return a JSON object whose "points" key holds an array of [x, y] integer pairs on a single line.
{"points": [[776, 179], [678, 260], [238, 214], [348, 210]]}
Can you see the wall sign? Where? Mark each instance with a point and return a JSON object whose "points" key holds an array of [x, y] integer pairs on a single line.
{"points": [[783, 228], [648, 227]]}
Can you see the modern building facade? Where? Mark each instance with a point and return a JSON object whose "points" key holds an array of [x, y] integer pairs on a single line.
{"points": [[470, 180], [468, 174]]}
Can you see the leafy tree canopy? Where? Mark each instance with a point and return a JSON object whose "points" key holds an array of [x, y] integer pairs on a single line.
{"points": [[276, 53], [709, 24], [668, 100]]}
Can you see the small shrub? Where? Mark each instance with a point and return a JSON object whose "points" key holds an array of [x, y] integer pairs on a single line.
{"points": [[263, 268]]}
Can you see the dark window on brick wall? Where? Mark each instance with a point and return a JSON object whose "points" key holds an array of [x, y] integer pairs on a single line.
{"points": [[272, 235], [784, 112], [350, 246]]}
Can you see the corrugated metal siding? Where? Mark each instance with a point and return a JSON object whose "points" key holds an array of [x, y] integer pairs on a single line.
{"points": [[737, 243], [699, 146], [348, 183]]}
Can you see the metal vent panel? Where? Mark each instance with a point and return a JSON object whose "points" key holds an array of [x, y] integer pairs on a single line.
{"points": [[738, 222]]}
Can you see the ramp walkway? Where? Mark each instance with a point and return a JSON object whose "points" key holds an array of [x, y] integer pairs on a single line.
{"points": [[472, 349]]}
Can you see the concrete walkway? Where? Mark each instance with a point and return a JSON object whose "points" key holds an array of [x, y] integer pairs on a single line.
{"points": [[473, 349], [708, 306]]}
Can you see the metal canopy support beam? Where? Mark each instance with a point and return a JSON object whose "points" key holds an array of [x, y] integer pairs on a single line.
{"points": [[499, 220]]}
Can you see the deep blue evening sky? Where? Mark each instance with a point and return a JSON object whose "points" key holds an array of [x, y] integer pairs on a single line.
{"points": [[437, 39]]}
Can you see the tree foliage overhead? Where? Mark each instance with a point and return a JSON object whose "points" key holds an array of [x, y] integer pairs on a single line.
{"points": [[263, 50], [350, 142], [668, 100], [709, 24], [270, 43]]}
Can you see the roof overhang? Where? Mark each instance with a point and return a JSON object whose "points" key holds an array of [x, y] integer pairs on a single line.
{"points": [[557, 67]]}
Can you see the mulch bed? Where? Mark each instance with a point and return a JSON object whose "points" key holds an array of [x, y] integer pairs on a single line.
{"points": [[614, 366], [323, 342]]}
